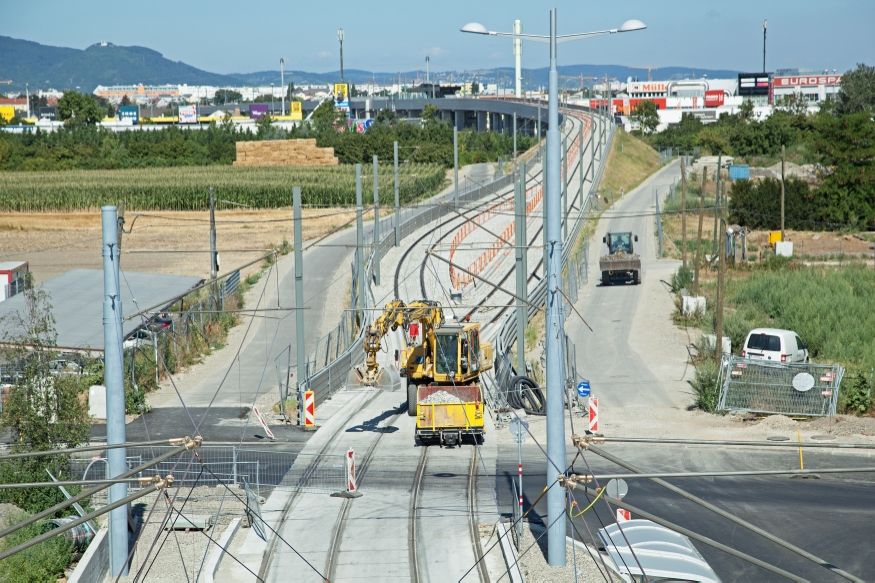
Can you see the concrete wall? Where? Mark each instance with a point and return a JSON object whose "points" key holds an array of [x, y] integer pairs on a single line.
{"points": [[94, 564]]}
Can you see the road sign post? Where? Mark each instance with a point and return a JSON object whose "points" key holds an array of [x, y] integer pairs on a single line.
{"points": [[593, 414], [351, 485], [518, 428], [309, 410]]}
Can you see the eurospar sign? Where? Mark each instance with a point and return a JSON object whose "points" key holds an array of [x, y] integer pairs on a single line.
{"points": [[808, 81]]}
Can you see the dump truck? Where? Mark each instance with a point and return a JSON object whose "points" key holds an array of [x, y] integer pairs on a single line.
{"points": [[441, 369], [621, 263]]}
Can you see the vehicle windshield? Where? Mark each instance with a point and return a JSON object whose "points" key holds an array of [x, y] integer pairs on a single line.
{"points": [[764, 342], [621, 242], [447, 354]]}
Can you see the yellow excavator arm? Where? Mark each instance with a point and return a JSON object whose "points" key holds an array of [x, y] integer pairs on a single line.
{"points": [[396, 313]]}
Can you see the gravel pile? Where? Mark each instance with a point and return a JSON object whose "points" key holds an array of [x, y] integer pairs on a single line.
{"points": [[535, 569], [441, 398]]}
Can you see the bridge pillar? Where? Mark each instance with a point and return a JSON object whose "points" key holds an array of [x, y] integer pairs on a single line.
{"points": [[481, 121]]}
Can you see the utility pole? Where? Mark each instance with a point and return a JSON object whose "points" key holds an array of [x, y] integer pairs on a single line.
{"points": [[514, 140], [376, 221], [699, 236], [782, 193], [765, 25], [397, 201], [683, 213], [517, 56], [718, 351], [283, 82], [521, 270], [115, 391], [340, 38], [360, 242], [716, 201], [580, 167], [299, 302], [456, 162], [214, 256]]}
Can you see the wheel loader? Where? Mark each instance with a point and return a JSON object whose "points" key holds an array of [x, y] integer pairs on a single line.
{"points": [[621, 263], [442, 369]]}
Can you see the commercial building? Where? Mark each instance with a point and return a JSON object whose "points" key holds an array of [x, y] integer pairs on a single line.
{"points": [[141, 94]]}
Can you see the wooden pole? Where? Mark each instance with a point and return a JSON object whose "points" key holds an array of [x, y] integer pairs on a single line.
{"points": [[699, 236], [683, 215], [721, 267], [782, 193]]}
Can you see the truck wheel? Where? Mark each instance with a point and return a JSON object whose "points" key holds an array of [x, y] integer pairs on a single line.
{"points": [[411, 400], [606, 279], [637, 278]]}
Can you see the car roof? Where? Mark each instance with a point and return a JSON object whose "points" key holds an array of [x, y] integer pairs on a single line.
{"points": [[776, 331]]}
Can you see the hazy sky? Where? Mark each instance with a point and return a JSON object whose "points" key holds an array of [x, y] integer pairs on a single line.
{"points": [[225, 36]]}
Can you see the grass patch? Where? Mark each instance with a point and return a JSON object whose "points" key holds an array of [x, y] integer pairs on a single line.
{"points": [[630, 161]]}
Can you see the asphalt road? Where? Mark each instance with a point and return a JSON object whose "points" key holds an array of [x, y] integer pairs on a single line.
{"points": [[833, 517]]}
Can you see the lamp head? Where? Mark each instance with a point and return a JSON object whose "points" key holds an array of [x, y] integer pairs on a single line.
{"points": [[475, 27], [631, 25]]}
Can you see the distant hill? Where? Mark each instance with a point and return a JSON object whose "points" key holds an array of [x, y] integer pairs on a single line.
{"points": [[43, 66]]}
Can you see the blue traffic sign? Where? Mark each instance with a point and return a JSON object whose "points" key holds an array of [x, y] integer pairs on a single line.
{"points": [[583, 388]]}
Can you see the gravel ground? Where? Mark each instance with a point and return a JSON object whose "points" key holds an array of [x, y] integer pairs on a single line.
{"points": [[533, 561], [177, 555], [440, 398]]}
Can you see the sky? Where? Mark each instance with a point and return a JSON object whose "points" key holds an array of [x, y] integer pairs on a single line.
{"points": [[224, 36]]}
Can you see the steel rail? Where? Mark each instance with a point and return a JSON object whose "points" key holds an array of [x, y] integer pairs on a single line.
{"points": [[475, 521], [413, 556]]}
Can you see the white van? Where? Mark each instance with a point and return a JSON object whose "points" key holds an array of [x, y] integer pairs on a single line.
{"points": [[774, 344]]}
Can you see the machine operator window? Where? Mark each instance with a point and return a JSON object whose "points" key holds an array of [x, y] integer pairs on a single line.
{"points": [[447, 354], [622, 242]]}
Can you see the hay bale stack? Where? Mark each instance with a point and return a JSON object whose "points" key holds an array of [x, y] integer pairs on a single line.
{"points": [[284, 153]]}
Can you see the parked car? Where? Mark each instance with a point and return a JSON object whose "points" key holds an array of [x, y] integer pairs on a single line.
{"points": [[776, 345], [139, 338]]}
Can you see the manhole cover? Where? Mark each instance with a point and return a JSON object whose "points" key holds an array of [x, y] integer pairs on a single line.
{"points": [[823, 437], [778, 438]]}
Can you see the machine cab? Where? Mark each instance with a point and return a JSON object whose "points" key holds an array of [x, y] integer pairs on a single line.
{"points": [[620, 242]]}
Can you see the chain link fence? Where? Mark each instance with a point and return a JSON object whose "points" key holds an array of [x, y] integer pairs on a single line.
{"points": [[797, 389]]}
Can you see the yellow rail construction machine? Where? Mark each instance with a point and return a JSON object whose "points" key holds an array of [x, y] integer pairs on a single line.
{"points": [[442, 369]]}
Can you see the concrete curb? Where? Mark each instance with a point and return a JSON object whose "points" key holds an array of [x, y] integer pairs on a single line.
{"points": [[510, 558], [217, 553]]}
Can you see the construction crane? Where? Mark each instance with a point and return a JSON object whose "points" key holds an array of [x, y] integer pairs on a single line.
{"points": [[649, 69]]}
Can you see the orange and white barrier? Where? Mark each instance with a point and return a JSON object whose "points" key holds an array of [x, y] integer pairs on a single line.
{"points": [[309, 409], [593, 414], [350, 471]]}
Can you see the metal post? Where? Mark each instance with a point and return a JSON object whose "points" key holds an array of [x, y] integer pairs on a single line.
{"points": [[397, 201], [783, 236], [300, 355], [514, 136], [376, 221], [540, 159], [565, 188], [214, 256], [340, 38], [360, 239], [554, 324], [115, 391], [283, 82], [592, 153], [456, 162], [683, 213], [580, 167], [521, 271], [658, 223]]}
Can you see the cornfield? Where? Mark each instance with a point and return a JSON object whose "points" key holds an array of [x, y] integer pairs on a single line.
{"points": [[186, 188]]}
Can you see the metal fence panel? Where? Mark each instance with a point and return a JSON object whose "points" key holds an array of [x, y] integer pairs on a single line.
{"points": [[756, 386]]}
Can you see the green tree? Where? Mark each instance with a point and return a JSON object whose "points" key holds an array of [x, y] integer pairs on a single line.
{"points": [[224, 96], [793, 104], [646, 116], [745, 111], [327, 115], [37, 101], [289, 91], [386, 116], [475, 88], [78, 109], [430, 115], [125, 100], [857, 93]]}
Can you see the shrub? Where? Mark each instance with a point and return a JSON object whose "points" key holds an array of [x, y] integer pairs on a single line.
{"points": [[43, 562], [856, 396], [704, 385], [682, 279]]}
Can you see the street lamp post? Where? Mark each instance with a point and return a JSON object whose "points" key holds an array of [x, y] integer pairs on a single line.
{"points": [[340, 38], [271, 99], [283, 83], [555, 337]]}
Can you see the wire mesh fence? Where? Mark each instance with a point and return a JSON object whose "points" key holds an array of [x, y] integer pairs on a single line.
{"points": [[755, 386], [228, 465]]}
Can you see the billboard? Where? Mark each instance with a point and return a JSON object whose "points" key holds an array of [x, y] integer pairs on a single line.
{"points": [[751, 84], [341, 97], [188, 114], [296, 111], [808, 80], [131, 112], [7, 112], [258, 110], [48, 113], [362, 125], [714, 98]]}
